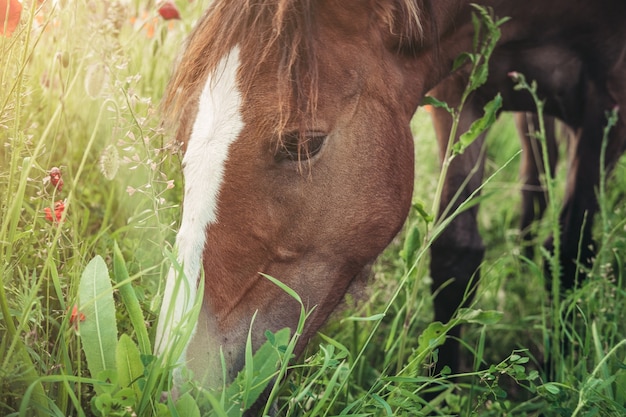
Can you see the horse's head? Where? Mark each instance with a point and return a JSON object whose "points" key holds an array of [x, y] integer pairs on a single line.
{"points": [[298, 161]]}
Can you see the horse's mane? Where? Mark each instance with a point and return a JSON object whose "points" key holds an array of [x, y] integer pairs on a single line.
{"points": [[286, 26]]}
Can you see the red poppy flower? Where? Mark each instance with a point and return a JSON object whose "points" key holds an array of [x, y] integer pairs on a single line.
{"points": [[55, 178], [9, 22], [168, 11], [76, 316], [59, 207]]}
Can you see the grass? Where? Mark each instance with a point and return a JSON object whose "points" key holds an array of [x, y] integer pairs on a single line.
{"points": [[90, 108]]}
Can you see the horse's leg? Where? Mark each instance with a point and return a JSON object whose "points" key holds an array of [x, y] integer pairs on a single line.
{"points": [[457, 253], [534, 194], [580, 203]]}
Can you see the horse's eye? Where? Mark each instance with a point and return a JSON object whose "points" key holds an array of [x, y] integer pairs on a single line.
{"points": [[298, 146]]}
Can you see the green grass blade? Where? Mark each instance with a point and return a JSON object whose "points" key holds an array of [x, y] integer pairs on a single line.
{"points": [[130, 300]]}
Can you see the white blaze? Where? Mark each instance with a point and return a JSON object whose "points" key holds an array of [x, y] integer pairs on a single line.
{"points": [[217, 125]]}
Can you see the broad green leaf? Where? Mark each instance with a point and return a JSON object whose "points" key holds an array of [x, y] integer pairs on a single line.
{"points": [[432, 101], [97, 324], [518, 359], [186, 406], [412, 243], [107, 379], [434, 335], [477, 24], [125, 397], [479, 126], [161, 410], [462, 59], [481, 73], [488, 317], [129, 365], [550, 388], [103, 403]]}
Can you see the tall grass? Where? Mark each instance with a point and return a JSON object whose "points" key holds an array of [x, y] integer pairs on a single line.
{"points": [[90, 109], [80, 86]]}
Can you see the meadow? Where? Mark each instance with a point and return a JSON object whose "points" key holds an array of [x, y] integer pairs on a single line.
{"points": [[90, 199]]}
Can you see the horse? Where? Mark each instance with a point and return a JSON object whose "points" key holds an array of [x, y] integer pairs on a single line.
{"points": [[298, 156], [462, 181], [573, 92]]}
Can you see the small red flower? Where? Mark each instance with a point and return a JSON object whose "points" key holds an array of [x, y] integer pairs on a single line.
{"points": [[55, 178], [168, 11], [9, 19], [76, 316], [59, 207]]}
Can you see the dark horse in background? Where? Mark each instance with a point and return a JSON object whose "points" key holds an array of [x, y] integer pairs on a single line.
{"points": [[294, 115]]}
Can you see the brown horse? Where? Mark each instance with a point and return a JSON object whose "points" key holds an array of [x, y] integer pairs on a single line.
{"points": [[462, 180], [298, 159]]}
